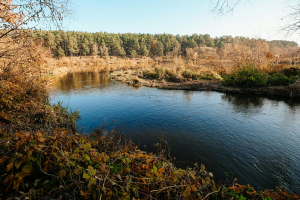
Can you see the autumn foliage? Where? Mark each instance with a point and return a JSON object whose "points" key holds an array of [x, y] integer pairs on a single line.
{"points": [[42, 155]]}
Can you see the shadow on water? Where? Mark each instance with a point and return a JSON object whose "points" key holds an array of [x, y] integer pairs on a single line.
{"points": [[255, 138], [244, 101]]}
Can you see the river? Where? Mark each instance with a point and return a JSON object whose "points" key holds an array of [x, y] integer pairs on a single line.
{"points": [[254, 139]]}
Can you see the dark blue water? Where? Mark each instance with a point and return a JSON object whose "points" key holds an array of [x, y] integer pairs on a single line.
{"points": [[254, 139]]}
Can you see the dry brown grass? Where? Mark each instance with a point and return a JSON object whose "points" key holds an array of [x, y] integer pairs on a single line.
{"points": [[199, 60]]}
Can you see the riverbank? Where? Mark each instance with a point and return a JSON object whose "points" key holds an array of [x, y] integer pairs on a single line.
{"points": [[67, 64], [42, 157], [136, 78]]}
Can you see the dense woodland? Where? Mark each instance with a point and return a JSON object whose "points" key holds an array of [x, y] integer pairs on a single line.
{"points": [[70, 43]]}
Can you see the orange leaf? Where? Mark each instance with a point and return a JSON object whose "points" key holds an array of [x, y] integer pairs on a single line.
{"points": [[145, 167], [188, 188], [162, 170], [3, 159], [194, 188], [150, 160], [10, 166], [8, 178], [39, 133], [82, 193]]}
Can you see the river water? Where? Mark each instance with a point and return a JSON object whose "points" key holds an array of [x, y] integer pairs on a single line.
{"points": [[254, 139]]}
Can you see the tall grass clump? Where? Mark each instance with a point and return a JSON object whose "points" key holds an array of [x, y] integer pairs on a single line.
{"points": [[180, 72], [247, 75]]}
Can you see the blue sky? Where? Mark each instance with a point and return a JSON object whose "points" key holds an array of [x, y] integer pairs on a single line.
{"points": [[251, 18]]}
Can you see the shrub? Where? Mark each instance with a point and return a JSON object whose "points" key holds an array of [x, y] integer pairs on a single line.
{"points": [[160, 72], [292, 71], [279, 79], [187, 74], [150, 74], [247, 76], [207, 77], [172, 78]]}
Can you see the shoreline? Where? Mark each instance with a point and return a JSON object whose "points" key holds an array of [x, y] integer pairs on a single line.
{"points": [[133, 75], [135, 78]]}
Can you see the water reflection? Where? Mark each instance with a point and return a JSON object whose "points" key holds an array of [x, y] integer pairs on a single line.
{"points": [[255, 138], [244, 102], [187, 94], [80, 80]]}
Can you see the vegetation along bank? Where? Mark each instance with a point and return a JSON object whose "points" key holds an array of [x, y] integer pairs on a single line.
{"points": [[44, 156], [245, 80]]}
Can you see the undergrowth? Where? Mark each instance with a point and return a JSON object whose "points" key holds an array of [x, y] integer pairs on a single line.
{"points": [[179, 73], [252, 76], [105, 165]]}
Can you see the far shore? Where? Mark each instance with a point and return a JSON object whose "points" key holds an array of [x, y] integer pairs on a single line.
{"points": [[131, 73], [135, 78]]}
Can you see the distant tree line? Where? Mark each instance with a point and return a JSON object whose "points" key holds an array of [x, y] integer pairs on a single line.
{"points": [[72, 43]]}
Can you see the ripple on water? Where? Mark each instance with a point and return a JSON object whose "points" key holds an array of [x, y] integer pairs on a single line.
{"points": [[254, 139]]}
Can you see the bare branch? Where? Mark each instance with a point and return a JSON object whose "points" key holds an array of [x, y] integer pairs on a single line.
{"points": [[224, 6], [292, 20]]}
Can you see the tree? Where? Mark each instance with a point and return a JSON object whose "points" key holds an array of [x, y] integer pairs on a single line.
{"points": [[50, 42], [135, 44], [119, 51], [85, 47], [95, 49], [144, 51], [210, 43], [14, 14], [103, 50], [159, 51], [133, 53], [73, 46], [201, 41], [60, 52], [220, 44], [154, 46], [192, 43]]}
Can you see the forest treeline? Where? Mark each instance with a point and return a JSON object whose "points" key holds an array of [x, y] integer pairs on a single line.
{"points": [[69, 43]]}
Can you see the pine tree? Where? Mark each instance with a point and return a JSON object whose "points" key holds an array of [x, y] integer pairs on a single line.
{"points": [[159, 51], [144, 51], [210, 43], [154, 46], [133, 53], [192, 43], [60, 52], [73, 46], [135, 44], [50, 42], [85, 47], [201, 41]]}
